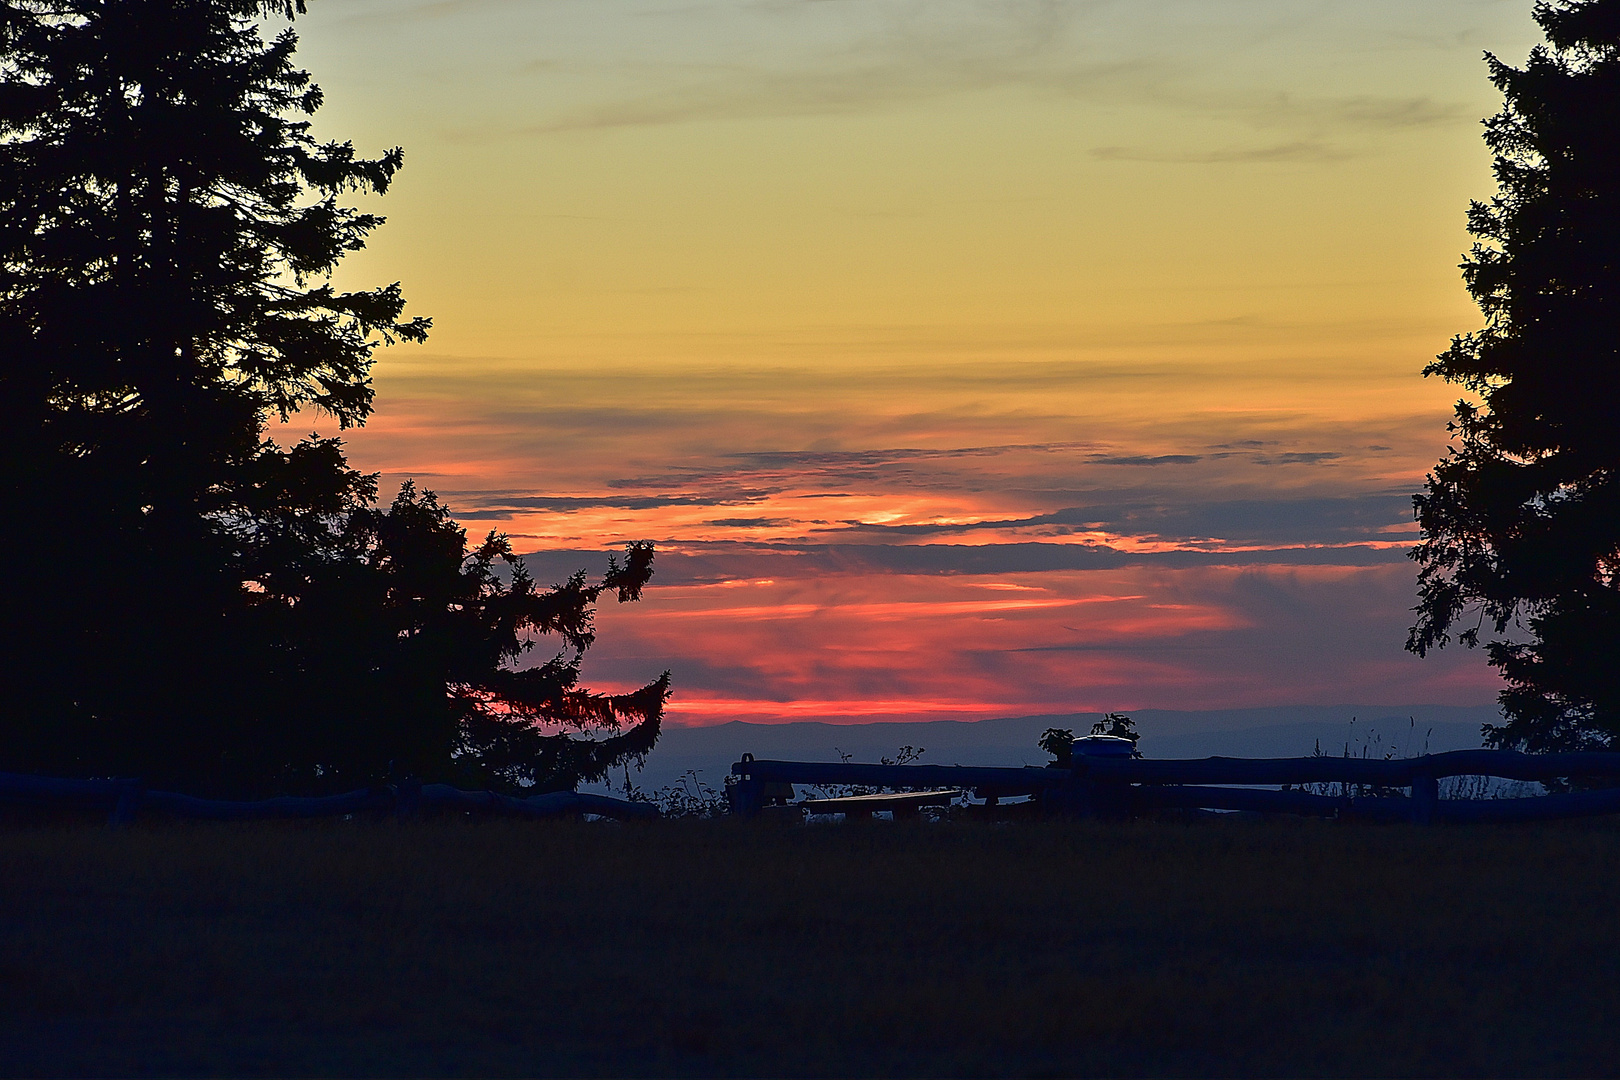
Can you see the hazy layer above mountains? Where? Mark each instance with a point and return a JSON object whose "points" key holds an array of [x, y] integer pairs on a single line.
{"points": [[1374, 730]]}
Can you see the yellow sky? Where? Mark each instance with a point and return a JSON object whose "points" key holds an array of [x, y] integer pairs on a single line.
{"points": [[651, 182], [1190, 256]]}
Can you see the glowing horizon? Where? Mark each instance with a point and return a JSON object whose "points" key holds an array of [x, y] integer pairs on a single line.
{"points": [[962, 358]]}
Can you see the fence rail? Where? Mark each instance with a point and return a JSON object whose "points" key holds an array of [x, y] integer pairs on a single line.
{"points": [[1120, 785], [125, 799]]}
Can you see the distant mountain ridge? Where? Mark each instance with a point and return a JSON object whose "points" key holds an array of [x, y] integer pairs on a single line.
{"points": [[1281, 731]]}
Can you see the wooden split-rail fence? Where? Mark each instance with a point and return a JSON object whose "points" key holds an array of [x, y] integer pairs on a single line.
{"points": [[1118, 786], [125, 799]]}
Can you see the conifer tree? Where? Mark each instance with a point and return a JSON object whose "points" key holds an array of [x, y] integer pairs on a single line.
{"points": [[191, 602], [1521, 520]]}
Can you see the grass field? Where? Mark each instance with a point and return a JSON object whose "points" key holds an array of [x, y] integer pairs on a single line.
{"points": [[712, 948]]}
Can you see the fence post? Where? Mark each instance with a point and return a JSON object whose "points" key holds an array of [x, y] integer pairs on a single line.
{"points": [[746, 794], [1076, 795], [408, 798], [1425, 793], [128, 804]]}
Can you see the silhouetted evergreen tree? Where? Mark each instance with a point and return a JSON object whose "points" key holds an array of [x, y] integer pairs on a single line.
{"points": [[1521, 519], [411, 643], [190, 602]]}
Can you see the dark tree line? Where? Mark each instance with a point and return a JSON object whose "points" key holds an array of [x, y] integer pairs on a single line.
{"points": [[1521, 520], [185, 599]]}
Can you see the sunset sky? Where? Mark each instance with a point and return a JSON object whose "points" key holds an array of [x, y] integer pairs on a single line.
{"points": [[962, 358]]}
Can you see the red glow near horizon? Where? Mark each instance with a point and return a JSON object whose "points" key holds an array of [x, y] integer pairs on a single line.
{"points": [[824, 554], [830, 649]]}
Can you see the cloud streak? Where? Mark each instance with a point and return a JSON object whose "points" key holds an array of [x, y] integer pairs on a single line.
{"points": [[1272, 523], [1300, 151], [718, 562], [648, 63]]}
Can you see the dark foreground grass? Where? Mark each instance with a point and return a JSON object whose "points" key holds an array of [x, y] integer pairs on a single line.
{"points": [[1215, 948]]}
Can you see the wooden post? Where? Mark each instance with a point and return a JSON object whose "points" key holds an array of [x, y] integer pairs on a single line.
{"points": [[408, 798], [1425, 794], [747, 795], [128, 804]]}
